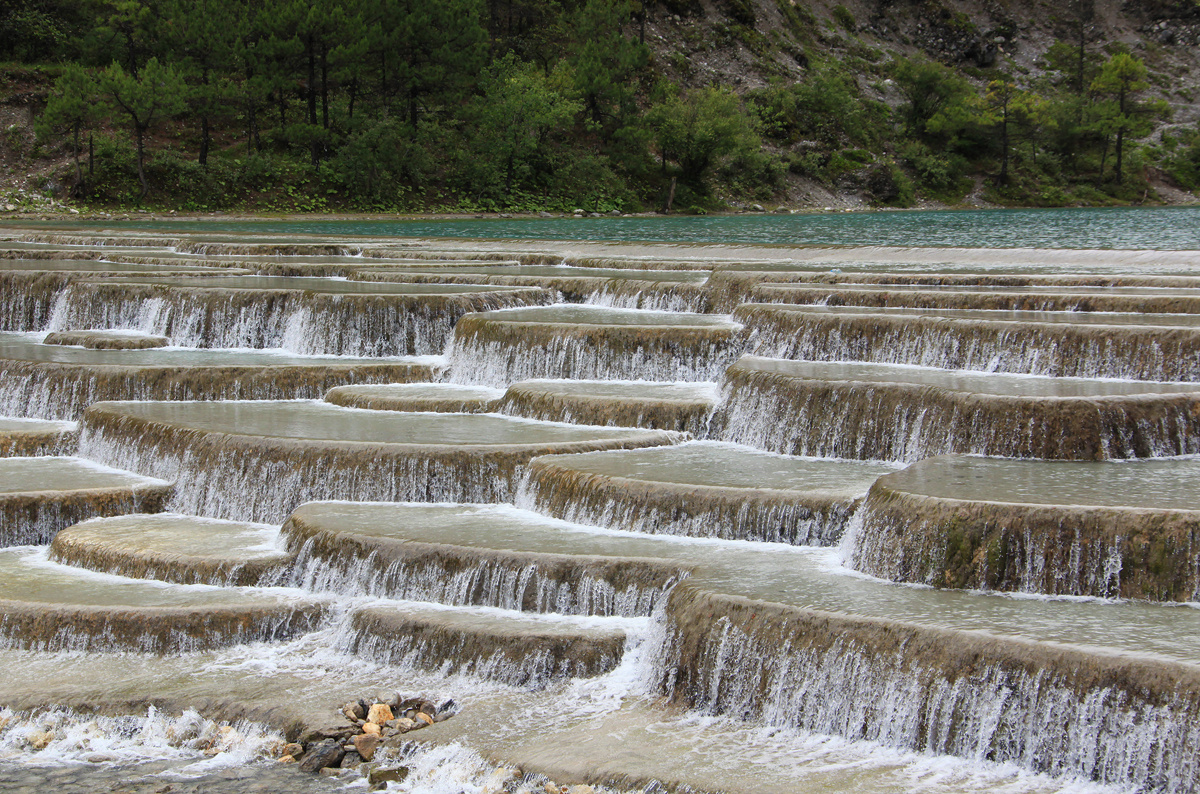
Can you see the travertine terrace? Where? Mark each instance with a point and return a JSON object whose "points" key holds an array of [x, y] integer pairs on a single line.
{"points": [[934, 503]]}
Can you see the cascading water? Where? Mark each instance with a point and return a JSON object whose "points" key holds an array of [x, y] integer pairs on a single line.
{"points": [[733, 630]]}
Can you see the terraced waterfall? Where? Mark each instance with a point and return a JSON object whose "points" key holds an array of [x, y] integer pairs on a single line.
{"points": [[706, 518]]}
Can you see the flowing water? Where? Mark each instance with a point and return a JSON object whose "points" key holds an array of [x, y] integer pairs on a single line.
{"points": [[603, 601]]}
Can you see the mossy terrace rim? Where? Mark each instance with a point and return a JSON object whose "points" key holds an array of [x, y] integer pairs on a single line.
{"points": [[314, 422]]}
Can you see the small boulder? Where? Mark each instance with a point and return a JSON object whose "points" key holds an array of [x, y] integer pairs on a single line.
{"points": [[327, 753], [365, 745], [354, 711], [403, 724], [379, 714], [425, 718], [38, 740], [371, 729], [379, 778], [294, 749], [287, 759]]}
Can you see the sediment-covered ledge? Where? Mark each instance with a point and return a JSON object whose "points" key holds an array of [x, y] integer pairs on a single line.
{"points": [[575, 284], [31, 437], [31, 287], [223, 452], [40, 496], [1068, 344], [1116, 719], [45, 606], [106, 339], [313, 316], [57, 382], [591, 342], [1061, 298], [730, 286], [705, 489], [470, 555], [441, 397], [666, 406], [174, 548], [1112, 530], [514, 649], [900, 412]]}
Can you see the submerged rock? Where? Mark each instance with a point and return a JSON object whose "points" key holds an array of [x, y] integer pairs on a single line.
{"points": [[326, 754]]}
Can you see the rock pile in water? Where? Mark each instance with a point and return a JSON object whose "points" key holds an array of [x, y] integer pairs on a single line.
{"points": [[373, 725]]}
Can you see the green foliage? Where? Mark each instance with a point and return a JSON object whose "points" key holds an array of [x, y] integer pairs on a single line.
{"points": [[844, 18], [696, 130], [518, 123], [740, 11], [826, 107], [1183, 164], [604, 63], [940, 103], [1120, 113], [143, 99], [390, 104]]}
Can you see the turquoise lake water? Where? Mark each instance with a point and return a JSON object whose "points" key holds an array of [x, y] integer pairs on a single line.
{"points": [[1153, 228]]}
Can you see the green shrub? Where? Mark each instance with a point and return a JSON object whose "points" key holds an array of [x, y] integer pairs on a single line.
{"points": [[844, 18]]}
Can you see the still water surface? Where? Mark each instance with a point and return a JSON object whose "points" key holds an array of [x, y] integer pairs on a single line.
{"points": [[1155, 228]]}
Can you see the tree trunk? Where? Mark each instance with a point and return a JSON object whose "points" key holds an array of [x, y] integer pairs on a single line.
{"points": [[204, 133], [1120, 152], [1004, 144], [670, 196], [324, 85], [75, 153], [204, 140], [141, 158], [311, 88]]}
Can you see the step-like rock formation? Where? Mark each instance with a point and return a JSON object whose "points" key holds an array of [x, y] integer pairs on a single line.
{"points": [[443, 397], [30, 437], [471, 555], [50, 607], [1069, 344], [57, 382], [1145, 300], [1116, 719], [515, 649], [498, 348], [174, 548], [705, 490], [256, 461], [40, 496], [898, 412], [666, 406], [311, 316], [1113, 530], [106, 339]]}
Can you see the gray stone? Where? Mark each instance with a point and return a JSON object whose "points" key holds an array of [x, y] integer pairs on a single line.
{"points": [[326, 754], [379, 778]]}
